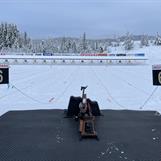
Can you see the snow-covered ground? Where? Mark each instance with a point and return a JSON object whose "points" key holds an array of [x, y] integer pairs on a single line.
{"points": [[114, 87]]}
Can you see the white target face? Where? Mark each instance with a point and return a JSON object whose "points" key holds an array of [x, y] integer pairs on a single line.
{"points": [[159, 77]]}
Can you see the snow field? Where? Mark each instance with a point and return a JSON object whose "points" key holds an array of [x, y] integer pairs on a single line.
{"points": [[114, 87]]}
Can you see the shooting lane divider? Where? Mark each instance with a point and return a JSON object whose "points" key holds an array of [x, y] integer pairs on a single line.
{"points": [[107, 90], [108, 99], [149, 98], [128, 83], [67, 87], [51, 99], [140, 107], [28, 96], [156, 71]]}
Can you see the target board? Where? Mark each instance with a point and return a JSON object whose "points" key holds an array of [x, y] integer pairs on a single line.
{"points": [[4, 74], [156, 72]]}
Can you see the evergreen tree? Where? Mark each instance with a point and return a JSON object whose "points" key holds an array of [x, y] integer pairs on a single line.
{"points": [[1, 36], [128, 43], [157, 40], [11, 37], [144, 41], [84, 43], [74, 48], [62, 46]]}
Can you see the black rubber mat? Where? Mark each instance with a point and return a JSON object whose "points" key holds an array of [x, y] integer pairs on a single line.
{"points": [[45, 135]]}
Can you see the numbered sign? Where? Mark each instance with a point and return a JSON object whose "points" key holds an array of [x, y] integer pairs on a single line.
{"points": [[156, 75], [4, 74]]}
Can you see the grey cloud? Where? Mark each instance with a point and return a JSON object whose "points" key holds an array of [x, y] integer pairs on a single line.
{"points": [[42, 18]]}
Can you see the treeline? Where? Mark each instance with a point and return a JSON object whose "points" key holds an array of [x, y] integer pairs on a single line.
{"points": [[12, 38]]}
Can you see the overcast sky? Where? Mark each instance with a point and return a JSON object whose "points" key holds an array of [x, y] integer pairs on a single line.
{"points": [[98, 18]]}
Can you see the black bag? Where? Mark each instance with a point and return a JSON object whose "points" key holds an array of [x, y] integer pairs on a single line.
{"points": [[73, 107]]}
